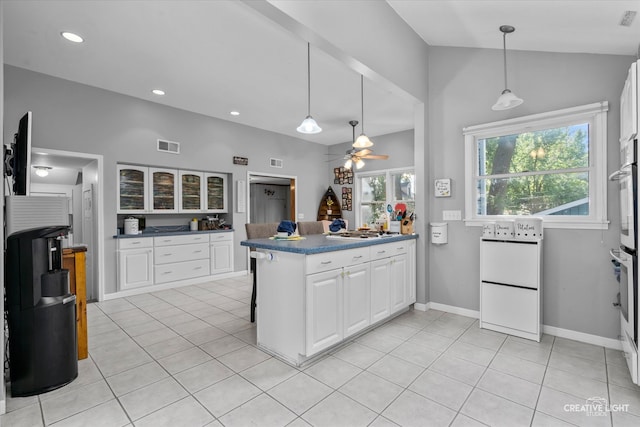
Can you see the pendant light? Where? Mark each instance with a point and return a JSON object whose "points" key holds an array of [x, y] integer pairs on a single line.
{"points": [[508, 99], [353, 159], [363, 141], [308, 125]]}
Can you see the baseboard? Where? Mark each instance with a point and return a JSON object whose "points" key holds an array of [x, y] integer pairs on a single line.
{"points": [[3, 407], [550, 330], [172, 285], [453, 309], [582, 337]]}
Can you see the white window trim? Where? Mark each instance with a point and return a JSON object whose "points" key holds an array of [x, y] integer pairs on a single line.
{"points": [[595, 114], [358, 175]]}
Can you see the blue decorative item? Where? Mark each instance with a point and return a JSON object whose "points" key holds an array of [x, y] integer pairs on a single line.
{"points": [[287, 226], [337, 225]]}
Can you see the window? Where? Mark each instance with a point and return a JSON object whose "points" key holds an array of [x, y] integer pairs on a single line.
{"points": [[551, 165], [372, 189]]}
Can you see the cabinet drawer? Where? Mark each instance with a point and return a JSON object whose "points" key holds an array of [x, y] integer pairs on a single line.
{"points": [[511, 307], [181, 270], [331, 260], [388, 249], [135, 243], [220, 237], [179, 253], [180, 239], [510, 263]]}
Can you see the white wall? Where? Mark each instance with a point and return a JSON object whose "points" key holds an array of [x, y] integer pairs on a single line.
{"points": [[74, 117], [578, 282]]}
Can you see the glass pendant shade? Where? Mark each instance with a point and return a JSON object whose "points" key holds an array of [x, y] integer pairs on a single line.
{"points": [[506, 101], [363, 141], [309, 125], [359, 163], [348, 163]]}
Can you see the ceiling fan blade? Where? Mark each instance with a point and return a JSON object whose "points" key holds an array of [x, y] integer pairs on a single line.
{"points": [[376, 156], [363, 152]]}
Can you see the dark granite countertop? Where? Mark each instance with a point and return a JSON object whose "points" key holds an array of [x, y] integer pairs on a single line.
{"points": [[319, 243], [168, 231]]}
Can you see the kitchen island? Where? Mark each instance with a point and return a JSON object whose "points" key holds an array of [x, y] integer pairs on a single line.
{"points": [[315, 293]]}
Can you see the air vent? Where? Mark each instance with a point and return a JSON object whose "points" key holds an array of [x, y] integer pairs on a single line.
{"points": [[169, 146], [275, 163]]}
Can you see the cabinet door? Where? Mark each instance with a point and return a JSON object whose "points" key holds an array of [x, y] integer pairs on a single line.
{"points": [[380, 289], [399, 278], [132, 189], [191, 185], [510, 263], [216, 192], [357, 297], [135, 268], [221, 257], [629, 106], [510, 307], [163, 188], [324, 310]]}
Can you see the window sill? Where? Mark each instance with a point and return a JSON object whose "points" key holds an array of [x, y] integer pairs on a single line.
{"points": [[546, 223]]}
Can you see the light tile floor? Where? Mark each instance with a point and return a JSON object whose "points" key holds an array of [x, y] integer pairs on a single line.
{"points": [[187, 357]]}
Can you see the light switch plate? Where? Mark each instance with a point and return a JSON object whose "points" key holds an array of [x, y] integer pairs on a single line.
{"points": [[452, 215], [300, 216]]}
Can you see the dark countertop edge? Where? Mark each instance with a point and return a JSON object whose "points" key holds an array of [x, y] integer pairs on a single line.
{"points": [[337, 245], [169, 233]]}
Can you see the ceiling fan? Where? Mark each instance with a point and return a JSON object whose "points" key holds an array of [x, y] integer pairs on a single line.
{"points": [[354, 156]]}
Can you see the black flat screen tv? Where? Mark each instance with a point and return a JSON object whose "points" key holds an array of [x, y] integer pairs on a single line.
{"points": [[22, 156]]}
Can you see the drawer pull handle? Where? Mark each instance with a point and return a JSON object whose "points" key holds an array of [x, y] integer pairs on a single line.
{"points": [[382, 252], [167, 272], [169, 254], [357, 257], [197, 252], [135, 243], [325, 262], [198, 268], [401, 248], [166, 241]]}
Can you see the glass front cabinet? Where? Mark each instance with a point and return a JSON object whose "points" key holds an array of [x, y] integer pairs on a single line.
{"points": [[216, 193], [143, 189], [163, 190], [132, 189]]}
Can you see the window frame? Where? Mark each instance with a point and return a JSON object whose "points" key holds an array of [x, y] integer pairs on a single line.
{"points": [[357, 202], [594, 114]]}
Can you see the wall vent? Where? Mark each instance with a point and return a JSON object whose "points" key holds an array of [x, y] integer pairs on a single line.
{"points": [[275, 163], [169, 146]]}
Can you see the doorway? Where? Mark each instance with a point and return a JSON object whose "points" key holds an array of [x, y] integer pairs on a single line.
{"points": [[271, 198], [79, 177]]}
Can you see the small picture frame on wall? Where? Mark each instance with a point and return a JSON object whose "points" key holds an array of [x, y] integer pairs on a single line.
{"points": [[442, 187]]}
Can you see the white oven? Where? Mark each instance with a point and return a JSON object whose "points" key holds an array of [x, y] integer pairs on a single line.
{"points": [[627, 177], [628, 305]]}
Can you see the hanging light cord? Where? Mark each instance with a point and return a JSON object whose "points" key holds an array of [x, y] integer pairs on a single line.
{"points": [[504, 52], [362, 100], [308, 79]]}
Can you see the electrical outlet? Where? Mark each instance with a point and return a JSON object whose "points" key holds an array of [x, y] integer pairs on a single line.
{"points": [[452, 215]]}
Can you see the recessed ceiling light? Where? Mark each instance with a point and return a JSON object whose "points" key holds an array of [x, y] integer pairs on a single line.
{"points": [[158, 92], [235, 113], [72, 37], [42, 170]]}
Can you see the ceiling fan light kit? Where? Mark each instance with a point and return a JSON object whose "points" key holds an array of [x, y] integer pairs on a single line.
{"points": [[507, 99], [309, 125]]}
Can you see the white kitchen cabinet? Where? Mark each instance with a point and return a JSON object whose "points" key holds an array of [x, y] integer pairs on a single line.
{"points": [[215, 191], [221, 251], [411, 268], [132, 189], [399, 280], [629, 106], [190, 191], [511, 287], [324, 310], [163, 190], [135, 263], [380, 290], [181, 257], [356, 297]]}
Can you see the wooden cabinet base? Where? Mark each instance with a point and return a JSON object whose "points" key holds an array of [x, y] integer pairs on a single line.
{"points": [[74, 260]]}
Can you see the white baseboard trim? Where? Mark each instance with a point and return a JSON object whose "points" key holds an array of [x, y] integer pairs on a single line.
{"points": [[172, 285], [3, 407], [453, 309], [582, 337], [550, 330]]}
